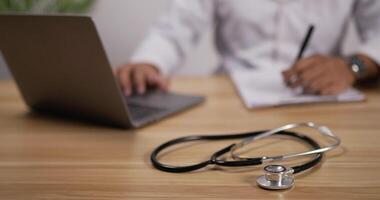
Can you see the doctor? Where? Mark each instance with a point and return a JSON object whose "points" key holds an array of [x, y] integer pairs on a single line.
{"points": [[263, 34]]}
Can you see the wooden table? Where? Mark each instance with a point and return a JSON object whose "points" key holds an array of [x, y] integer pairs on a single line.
{"points": [[43, 158]]}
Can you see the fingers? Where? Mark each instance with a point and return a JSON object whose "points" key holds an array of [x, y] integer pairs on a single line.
{"points": [[293, 76], [154, 79], [124, 77], [313, 80], [140, 77], [150, 78], [320, 75], [305, 64], [312, 73], [319, 85], [308, 73]]}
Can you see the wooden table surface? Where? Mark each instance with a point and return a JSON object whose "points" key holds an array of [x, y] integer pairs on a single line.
{"points": [[44, 158]]}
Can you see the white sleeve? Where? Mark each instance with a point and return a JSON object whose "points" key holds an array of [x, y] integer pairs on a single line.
{"points": [[367, 18], [171, 39]]}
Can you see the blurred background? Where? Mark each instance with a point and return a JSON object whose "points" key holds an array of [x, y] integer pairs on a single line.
{"points": [[122, 25]]}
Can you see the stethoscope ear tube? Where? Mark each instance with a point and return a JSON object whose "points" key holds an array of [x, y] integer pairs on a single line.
{"points": [[323, 130], [260, 160]]}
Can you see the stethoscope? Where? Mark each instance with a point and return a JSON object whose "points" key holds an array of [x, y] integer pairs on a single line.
{"points": [[276, 177]]}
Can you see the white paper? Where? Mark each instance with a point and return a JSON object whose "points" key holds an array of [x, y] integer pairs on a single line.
{"points": [[266, 88]]}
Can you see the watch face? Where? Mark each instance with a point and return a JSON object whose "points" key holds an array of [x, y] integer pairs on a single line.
{"points": [[355, 68], [358, 67]]}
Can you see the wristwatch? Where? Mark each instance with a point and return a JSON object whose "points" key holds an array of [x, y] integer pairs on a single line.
{"points": [[358, 67]]}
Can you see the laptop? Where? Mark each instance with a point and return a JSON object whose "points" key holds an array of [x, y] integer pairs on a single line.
{"points": [[61, 67]]}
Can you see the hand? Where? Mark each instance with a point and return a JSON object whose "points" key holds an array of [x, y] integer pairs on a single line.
{"points": [[322, 75], [140, 77]]}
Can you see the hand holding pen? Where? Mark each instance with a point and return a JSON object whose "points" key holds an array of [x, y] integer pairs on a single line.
{"points": [[318, 74]]}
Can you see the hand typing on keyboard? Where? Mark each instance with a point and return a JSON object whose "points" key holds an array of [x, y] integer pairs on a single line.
{"points": [[138, 77]]}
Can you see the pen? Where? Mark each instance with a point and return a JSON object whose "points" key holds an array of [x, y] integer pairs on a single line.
{"points": [[305, 42]]}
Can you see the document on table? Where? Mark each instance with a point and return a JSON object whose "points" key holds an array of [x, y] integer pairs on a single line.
{"points": [[266, 89]]}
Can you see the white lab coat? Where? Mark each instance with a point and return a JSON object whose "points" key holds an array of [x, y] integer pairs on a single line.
{"points": [[259, 34]]}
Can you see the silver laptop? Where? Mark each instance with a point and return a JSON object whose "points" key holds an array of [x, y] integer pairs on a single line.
{"points": [[60, 67]]}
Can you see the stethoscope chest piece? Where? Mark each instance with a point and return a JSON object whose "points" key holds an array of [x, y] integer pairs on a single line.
{"points": [[277, 177]]}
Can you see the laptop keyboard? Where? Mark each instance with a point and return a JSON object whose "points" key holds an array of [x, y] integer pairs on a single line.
{"points": [[139, 112]]}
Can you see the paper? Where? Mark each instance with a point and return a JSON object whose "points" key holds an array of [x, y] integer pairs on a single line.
{"points": [[266, 88]]}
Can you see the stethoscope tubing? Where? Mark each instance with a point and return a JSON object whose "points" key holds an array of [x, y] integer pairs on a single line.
{"points": [[183, 169], [215, 158]]}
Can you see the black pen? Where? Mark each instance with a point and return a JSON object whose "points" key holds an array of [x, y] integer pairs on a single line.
{"points": [[305, 43]]}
